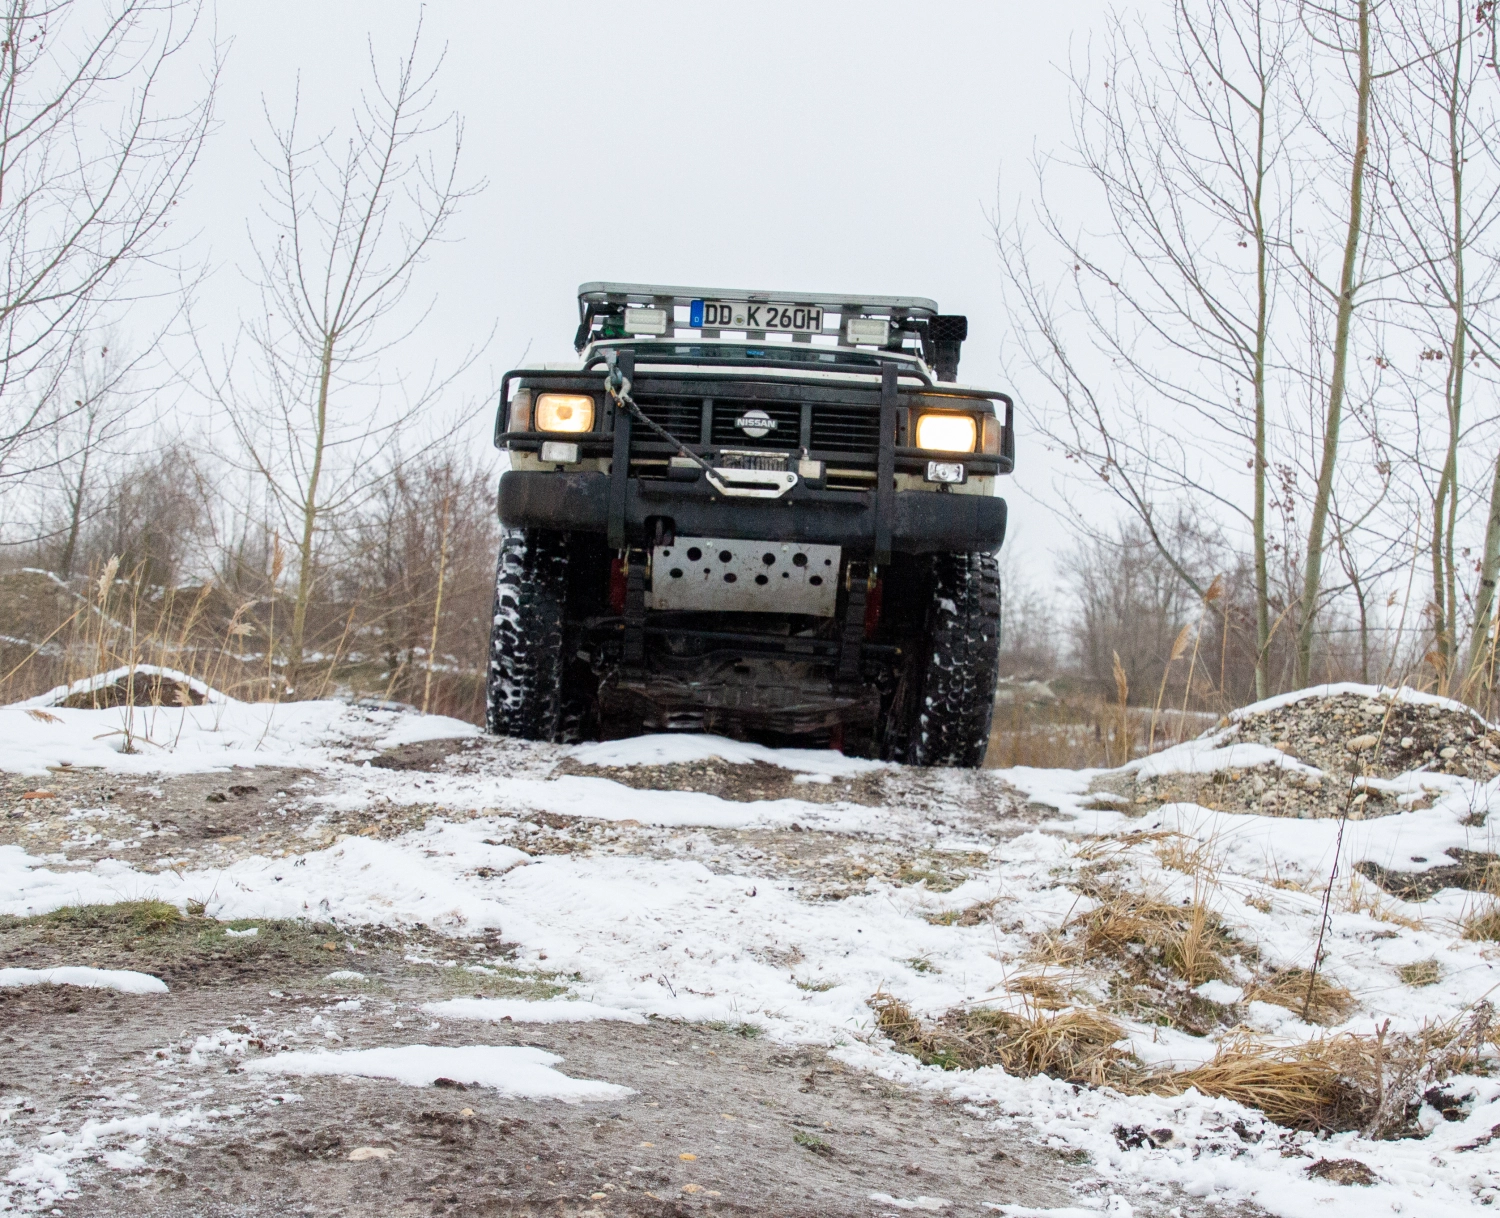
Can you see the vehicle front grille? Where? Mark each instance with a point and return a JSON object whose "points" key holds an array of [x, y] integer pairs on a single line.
{"points": [[848, 436], [846, 430], [785, 432], [683, 417]]}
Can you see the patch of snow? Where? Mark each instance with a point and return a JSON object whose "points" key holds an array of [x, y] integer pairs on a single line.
{"points": [[1375, 692], [916, 1203], [343, 974], [124, 980], [1208, 754], [553, 1010], [416, 728], [242, 934], [218, 735], [519, 1071], [1220, 992], [676, 748], [42, 1177], [99, 680]]}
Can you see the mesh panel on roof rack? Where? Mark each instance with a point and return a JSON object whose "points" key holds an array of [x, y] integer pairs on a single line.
{"points": [[949, 328]]}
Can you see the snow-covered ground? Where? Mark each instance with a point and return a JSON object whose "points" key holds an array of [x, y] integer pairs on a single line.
{"points": [[691, 929]]}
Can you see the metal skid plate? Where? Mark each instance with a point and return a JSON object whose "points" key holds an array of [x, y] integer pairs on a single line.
{"points": [[735, 576]]}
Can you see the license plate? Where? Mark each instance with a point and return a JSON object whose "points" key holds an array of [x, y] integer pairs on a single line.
{"points": [[739, 315]]}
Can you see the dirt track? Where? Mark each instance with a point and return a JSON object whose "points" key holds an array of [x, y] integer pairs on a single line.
{"points": [[721, 1122]]}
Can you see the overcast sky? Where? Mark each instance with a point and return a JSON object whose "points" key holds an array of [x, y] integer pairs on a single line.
{"points": [[821, 145]]}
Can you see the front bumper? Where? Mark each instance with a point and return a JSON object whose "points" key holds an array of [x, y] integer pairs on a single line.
{"points": [[921, 521]]}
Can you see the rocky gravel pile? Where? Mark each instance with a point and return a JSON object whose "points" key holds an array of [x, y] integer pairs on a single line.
{"points": [[1348, 738], [1352, 734]]}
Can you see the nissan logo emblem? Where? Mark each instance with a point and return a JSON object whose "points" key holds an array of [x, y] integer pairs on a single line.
{"points": [[755, 423]]}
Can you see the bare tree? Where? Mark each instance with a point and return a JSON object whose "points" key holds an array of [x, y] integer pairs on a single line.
{"points": [[1185, 139], [84, 203], [1439, 217], [1348, 35], [104, 413], [1481, 657], [347, 223]]}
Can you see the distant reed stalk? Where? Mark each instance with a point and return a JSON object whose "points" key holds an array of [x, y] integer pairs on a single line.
{"points": [[1179, 645], [437, 605], [1210, 594], [1122, 691]]}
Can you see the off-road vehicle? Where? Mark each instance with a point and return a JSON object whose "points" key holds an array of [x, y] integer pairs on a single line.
{"points": [[752, 513]]}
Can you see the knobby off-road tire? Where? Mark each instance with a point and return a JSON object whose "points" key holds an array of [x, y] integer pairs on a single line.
{"points": [[526, 693], [946, 699]]}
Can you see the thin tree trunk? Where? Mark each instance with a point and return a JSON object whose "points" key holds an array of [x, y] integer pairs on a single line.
{"points": [[1489, 568], [1312, 581], [1262, 314], [1444, 520], [75, 518], [310, 510]]}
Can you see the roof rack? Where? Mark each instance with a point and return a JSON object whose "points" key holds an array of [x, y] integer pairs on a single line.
{"points": [[889, 323]]}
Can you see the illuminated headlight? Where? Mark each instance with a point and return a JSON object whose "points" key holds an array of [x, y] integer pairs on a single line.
{"points": [[645, 321], [564, 412], [947, 433], [946, 471]]}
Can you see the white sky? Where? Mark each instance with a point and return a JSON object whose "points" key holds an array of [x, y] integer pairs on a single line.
{"points": [[824, 146]]}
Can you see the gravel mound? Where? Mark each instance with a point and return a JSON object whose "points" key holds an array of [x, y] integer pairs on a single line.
{"points": [[1348, 738], [1350, 734]]}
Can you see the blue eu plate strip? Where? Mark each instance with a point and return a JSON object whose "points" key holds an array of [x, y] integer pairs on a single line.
{"points": [[695, 313]]}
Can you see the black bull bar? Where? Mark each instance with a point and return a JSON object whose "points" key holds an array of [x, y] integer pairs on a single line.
{"points": [[916, 522]]}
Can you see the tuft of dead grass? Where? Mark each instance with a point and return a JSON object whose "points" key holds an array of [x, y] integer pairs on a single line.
{"points": [[1343, 1082], [1301, 1087], [1141, 930], [1327, 1003], [1039, 990], [1075, 1045], [979, 914], [1420, 973], [1334, 1083], [1483, 925]]}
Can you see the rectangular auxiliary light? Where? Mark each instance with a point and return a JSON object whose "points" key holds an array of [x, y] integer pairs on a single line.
{"points": [[867, 331], [946, 471], [562, 453], [645, 321]]}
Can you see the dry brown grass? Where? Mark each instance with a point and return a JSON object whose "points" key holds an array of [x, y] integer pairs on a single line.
{"points": [[1184, 853], [1361, 897], [1420, 973], [1141, 930], [1075, 1045], [1483, 924], [1325, 1003], [1079, 730], [1344, 1082], [1039, 990], [1304, 1087], [979, 914]]}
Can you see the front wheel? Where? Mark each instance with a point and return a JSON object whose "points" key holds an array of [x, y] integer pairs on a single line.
{"points": [[943, 704], [525, 689]]}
